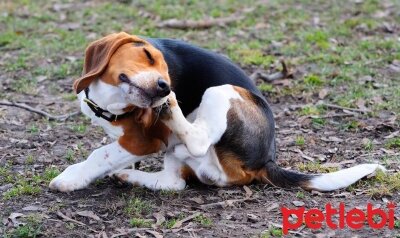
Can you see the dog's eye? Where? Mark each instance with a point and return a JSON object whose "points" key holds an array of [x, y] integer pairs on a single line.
{"points": [[149, 56], [123, 78]]}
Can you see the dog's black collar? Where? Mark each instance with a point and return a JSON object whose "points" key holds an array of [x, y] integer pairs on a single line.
{"points": [[99, 112]]}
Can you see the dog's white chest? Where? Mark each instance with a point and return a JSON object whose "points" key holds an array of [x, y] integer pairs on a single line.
{"points": [[112, 131]]}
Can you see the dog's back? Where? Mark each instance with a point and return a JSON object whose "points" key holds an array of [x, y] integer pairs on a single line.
{"points": [[193, 70]]}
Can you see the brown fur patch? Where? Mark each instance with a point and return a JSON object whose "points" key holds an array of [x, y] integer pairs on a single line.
{"points": [[246, 95], [115, 54], [123, 177], [187, 173], [235, 170], [142, 137]]}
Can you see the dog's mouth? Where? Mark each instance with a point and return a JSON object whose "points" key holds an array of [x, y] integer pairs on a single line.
{"points": [[141, 97]]}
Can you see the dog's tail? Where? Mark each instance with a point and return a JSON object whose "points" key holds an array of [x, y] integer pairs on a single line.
{"points": [[279, 177]]}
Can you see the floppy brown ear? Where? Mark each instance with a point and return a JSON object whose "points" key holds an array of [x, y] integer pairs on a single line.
{"points": [[97, 56]]}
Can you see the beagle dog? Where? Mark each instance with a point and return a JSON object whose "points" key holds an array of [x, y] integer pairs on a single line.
{"points": [[195, 106]]}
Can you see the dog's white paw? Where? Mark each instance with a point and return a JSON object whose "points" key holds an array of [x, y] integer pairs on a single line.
{"points": [[73, 178]]}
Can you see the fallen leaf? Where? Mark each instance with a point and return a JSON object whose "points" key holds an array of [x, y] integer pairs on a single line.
{"points": [[361, 104], [392, 135], [33, 208], [179, 223], [253, 218], [323, 93], [89, 214], [249, 193], [198, 200], [298, 203], [155, 234], [272, 207], [159, 218], [13, 218]]}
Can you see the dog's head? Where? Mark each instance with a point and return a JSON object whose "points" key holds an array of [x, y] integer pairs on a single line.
{"points": [[130, 63]]}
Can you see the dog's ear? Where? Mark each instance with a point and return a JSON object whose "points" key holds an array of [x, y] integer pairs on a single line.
{"points": [[97, 56]]}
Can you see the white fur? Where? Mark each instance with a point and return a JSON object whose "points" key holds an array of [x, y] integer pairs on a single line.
{"points": [[105, 159], [210, 123], [343, 178], [100, 163]]}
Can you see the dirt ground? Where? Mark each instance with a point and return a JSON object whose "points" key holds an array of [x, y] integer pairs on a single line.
{"points": [[336, 107]]}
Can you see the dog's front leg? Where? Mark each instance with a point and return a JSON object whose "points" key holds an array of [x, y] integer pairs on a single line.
{"points": [[100, 163]]}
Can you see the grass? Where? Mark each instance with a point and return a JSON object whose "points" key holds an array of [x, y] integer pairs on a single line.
{"points": [[31, 228], [137, 207], [26, 185], [315, 167], [203, 220], [266, 88], [300, 141], [33, 129], [383, 184], [69, 155], [368, 144], [169, 223], [139, 222], [393, 143], [79, 128], [23, 187]]}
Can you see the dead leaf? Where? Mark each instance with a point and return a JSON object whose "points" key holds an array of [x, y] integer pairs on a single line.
{"points": [[253, 218], [13, 218], [179, 223], [298, 203], [249, 193], [361, 104], [303, 155], [159, 218], [198, 200], [33, 208], [332, 139], [392, 135], [323, 93], [272, 207], [41, 78], [155, 234], [89, 214]]}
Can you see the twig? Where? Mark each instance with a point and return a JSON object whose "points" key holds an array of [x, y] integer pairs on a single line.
{"points": [[128, 231], [180, 222], [40, 112], [333, 115], [344, 108], [285, 73], [60, 214], [202, 24], [224, 203]]}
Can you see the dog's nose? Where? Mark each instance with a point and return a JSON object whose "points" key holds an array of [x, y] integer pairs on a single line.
{"points": [[163, 88]]}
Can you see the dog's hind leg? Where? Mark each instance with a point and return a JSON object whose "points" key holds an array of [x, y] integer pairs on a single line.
{"points": [[210, 122], [170, 178]]}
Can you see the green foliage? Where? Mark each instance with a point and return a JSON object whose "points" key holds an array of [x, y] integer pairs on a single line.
{"points": [[393, 143], [203, 220], [265, 87], [313, 80], [139, 222], [300, 141], [137, 207]]}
